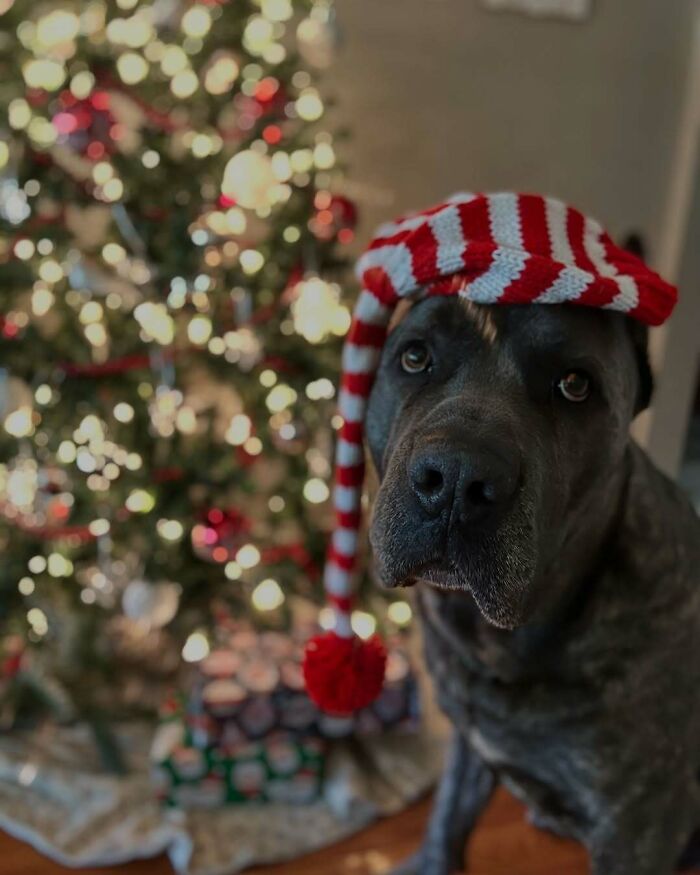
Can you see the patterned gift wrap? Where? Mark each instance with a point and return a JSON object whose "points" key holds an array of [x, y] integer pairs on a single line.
{"points": [[253, 685], [284, 767], [247, 731]]}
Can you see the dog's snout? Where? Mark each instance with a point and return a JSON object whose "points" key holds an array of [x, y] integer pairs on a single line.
{"points": [[472, 484], [433, 476]]}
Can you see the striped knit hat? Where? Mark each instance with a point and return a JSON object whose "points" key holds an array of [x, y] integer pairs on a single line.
{"points": [[489, 248]]}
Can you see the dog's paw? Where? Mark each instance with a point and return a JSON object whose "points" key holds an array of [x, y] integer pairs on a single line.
{"points": [[419, 865], [411, 866]]}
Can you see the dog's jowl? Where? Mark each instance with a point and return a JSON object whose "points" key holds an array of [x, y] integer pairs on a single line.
{"points": [[556, 570]]}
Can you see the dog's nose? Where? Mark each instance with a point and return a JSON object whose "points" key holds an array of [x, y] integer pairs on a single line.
{"points": [[474, 484]]}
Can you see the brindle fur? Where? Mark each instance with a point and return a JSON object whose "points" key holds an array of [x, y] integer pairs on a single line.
{"points": [[561, 625]]}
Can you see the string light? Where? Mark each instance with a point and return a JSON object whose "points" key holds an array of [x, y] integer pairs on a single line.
{"points": [[324, 156], [24, 249], [58, 566], [133, 32], [309, 105], [248, 556], [253, 446], [99, 527], [239, 430], [51, 271], [42, 301], [222, 73], [132, 68], [57, 27], [258, 34], [19, 114], [248, 179], [199, 330], [43, 394], [277, 10], [19, 423], [363, 624], [123, 412], [44, 73], [251, 261], [196, 647], [276, 504], [170, 530], [82, 84], [317, 311], [184, 84], [26, 586], [91, 312], [37, 564], [280, 397], [156, 322], [400, 613], [233, 570], [321, 389], [267, 595], [38, 621], [196, 22], [140, 501], [66, 452], [316, 491], [150, 159]]}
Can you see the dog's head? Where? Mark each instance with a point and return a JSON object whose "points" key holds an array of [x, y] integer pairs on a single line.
{"points": [[496, 432]]}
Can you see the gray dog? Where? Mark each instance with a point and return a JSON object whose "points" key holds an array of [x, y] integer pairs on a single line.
{"points": [[558, 575]]}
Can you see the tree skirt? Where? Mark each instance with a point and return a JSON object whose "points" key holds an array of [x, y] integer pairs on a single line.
{"points": [[54, 795]]}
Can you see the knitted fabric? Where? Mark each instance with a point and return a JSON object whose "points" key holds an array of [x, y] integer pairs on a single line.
{"points": [[491, 249]]}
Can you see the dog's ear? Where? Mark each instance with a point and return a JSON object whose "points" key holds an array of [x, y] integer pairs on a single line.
{"points": [[639, 334], [635, 243]]}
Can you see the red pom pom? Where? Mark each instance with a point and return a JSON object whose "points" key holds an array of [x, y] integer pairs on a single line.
{"points": [[344, 674]]}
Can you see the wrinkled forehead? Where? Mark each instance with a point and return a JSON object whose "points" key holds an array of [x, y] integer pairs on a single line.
{"points": [[566, 327]]}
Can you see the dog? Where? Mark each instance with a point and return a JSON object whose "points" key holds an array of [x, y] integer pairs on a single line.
{"points": [[557, 575]]}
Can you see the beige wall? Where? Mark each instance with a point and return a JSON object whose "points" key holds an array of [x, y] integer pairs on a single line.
{"points": [[441, 95]]}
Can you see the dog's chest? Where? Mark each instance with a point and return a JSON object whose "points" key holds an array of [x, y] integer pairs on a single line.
{"points": [[511, 698], [519, 716]]}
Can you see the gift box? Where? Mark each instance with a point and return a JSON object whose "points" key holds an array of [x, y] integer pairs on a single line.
{"points": [[246, 731], [282, 767], [253, 684]]}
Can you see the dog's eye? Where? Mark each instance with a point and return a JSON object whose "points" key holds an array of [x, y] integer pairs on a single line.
{"points": [[415, 358], [575, 386]]}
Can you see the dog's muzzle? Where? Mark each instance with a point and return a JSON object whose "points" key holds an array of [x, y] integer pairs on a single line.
{"points": [[465, 483]]}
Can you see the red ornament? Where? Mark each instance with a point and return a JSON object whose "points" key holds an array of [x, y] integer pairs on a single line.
{"points": [[220, 534], [268, 101], [87, 125], [336, 217], [12, 657], [272, 134], [343, 675], [344, 210]]}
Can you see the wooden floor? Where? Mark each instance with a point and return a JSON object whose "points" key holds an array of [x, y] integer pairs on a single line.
{"points": [[504, 844]]}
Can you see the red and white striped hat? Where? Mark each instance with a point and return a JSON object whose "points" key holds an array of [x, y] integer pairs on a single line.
{"points": [[489, 248]]}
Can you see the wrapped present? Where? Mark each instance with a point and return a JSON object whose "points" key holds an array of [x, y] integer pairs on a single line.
{"points": [[283, 767], [253, 684], [246, 731]]}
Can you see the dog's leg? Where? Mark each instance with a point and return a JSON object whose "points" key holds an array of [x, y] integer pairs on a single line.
{"points": [[465, 788], [645, 839]]}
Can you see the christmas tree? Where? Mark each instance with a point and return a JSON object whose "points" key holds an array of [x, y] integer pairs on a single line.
{"points": [[171, 247]]}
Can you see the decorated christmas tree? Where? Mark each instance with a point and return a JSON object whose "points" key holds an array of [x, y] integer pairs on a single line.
{"points": [[171, 249]]}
